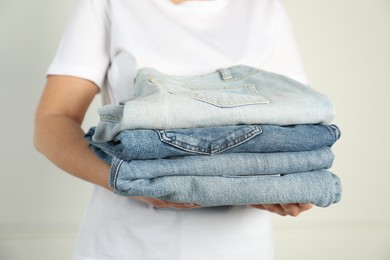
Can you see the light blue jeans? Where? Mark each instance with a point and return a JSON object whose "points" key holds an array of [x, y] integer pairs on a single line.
{"points": [[322, 188], [240, 154], [158, 144], [230, 164], [231, 179], [229, 96]]}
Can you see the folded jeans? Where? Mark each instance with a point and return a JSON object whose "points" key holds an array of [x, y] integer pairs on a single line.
{"points": [[232, 164], [322, 188], [157, 144], [235, 95]]}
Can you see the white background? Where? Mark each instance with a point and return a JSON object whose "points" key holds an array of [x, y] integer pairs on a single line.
{"points": [[345, 46]]}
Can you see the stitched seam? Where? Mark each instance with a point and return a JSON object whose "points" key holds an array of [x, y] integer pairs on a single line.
{"points": [[196, 149], [255, 98], [114, 173], [108, 117]]}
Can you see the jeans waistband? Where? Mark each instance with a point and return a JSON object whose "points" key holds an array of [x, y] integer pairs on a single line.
{"points": [[231, 73]]}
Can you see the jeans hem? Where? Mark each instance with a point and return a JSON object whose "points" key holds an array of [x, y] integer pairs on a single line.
{"points": [[335, 131], [114, 172], [338, 188]]}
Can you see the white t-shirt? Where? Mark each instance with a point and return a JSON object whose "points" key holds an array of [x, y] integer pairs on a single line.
{"points": [[107, 41]]}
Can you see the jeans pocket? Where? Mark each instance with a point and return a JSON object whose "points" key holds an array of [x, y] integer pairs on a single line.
{"points": [[210, 140], [220, 95]]}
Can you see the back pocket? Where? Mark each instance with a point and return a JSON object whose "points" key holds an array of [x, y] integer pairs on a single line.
{"points": [[223, 96], [210, 140]]}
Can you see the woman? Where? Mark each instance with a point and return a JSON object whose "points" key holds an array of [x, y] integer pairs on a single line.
{"points": [[104, 44]]}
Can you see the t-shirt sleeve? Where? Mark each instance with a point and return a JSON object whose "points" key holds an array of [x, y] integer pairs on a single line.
{"points": [[84, 48]]}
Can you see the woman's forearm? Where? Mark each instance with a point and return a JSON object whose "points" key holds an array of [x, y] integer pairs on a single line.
{"points": [[61, 140], [58, 134]]}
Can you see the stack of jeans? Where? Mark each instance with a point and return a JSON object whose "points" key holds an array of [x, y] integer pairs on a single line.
{"points": [[236, 136]]}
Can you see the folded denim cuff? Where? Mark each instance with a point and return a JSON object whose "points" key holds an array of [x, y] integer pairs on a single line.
{"points": [[335, 130], [338, 188], [114, 172]]}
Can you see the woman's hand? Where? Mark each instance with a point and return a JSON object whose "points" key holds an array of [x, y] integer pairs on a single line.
{"points": [[166, 204], [292, 209]]}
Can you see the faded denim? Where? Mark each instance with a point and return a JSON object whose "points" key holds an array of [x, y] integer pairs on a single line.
{"points": [[229, 96], [231, 179], [230, 164], [158, 144], [322, 188]]}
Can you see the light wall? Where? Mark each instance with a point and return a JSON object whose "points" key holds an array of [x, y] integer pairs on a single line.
{"points": [[345, 49]]}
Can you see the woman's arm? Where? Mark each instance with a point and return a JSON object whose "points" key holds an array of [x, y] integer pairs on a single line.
{"points": [[58, 134]]}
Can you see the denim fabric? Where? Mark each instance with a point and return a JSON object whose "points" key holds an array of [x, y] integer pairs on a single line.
{"points": [[231, 164], [158, 144], [229, 96], [321, 188]]}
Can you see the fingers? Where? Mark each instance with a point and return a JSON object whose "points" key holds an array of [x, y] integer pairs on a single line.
{"points": [[166, 204], [292, 209], [295, 209], [275, 208], [160, 204], [259, 206]]}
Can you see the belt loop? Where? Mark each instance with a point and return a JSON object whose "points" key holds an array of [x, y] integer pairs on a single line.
{"points": [[225, 73]]}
